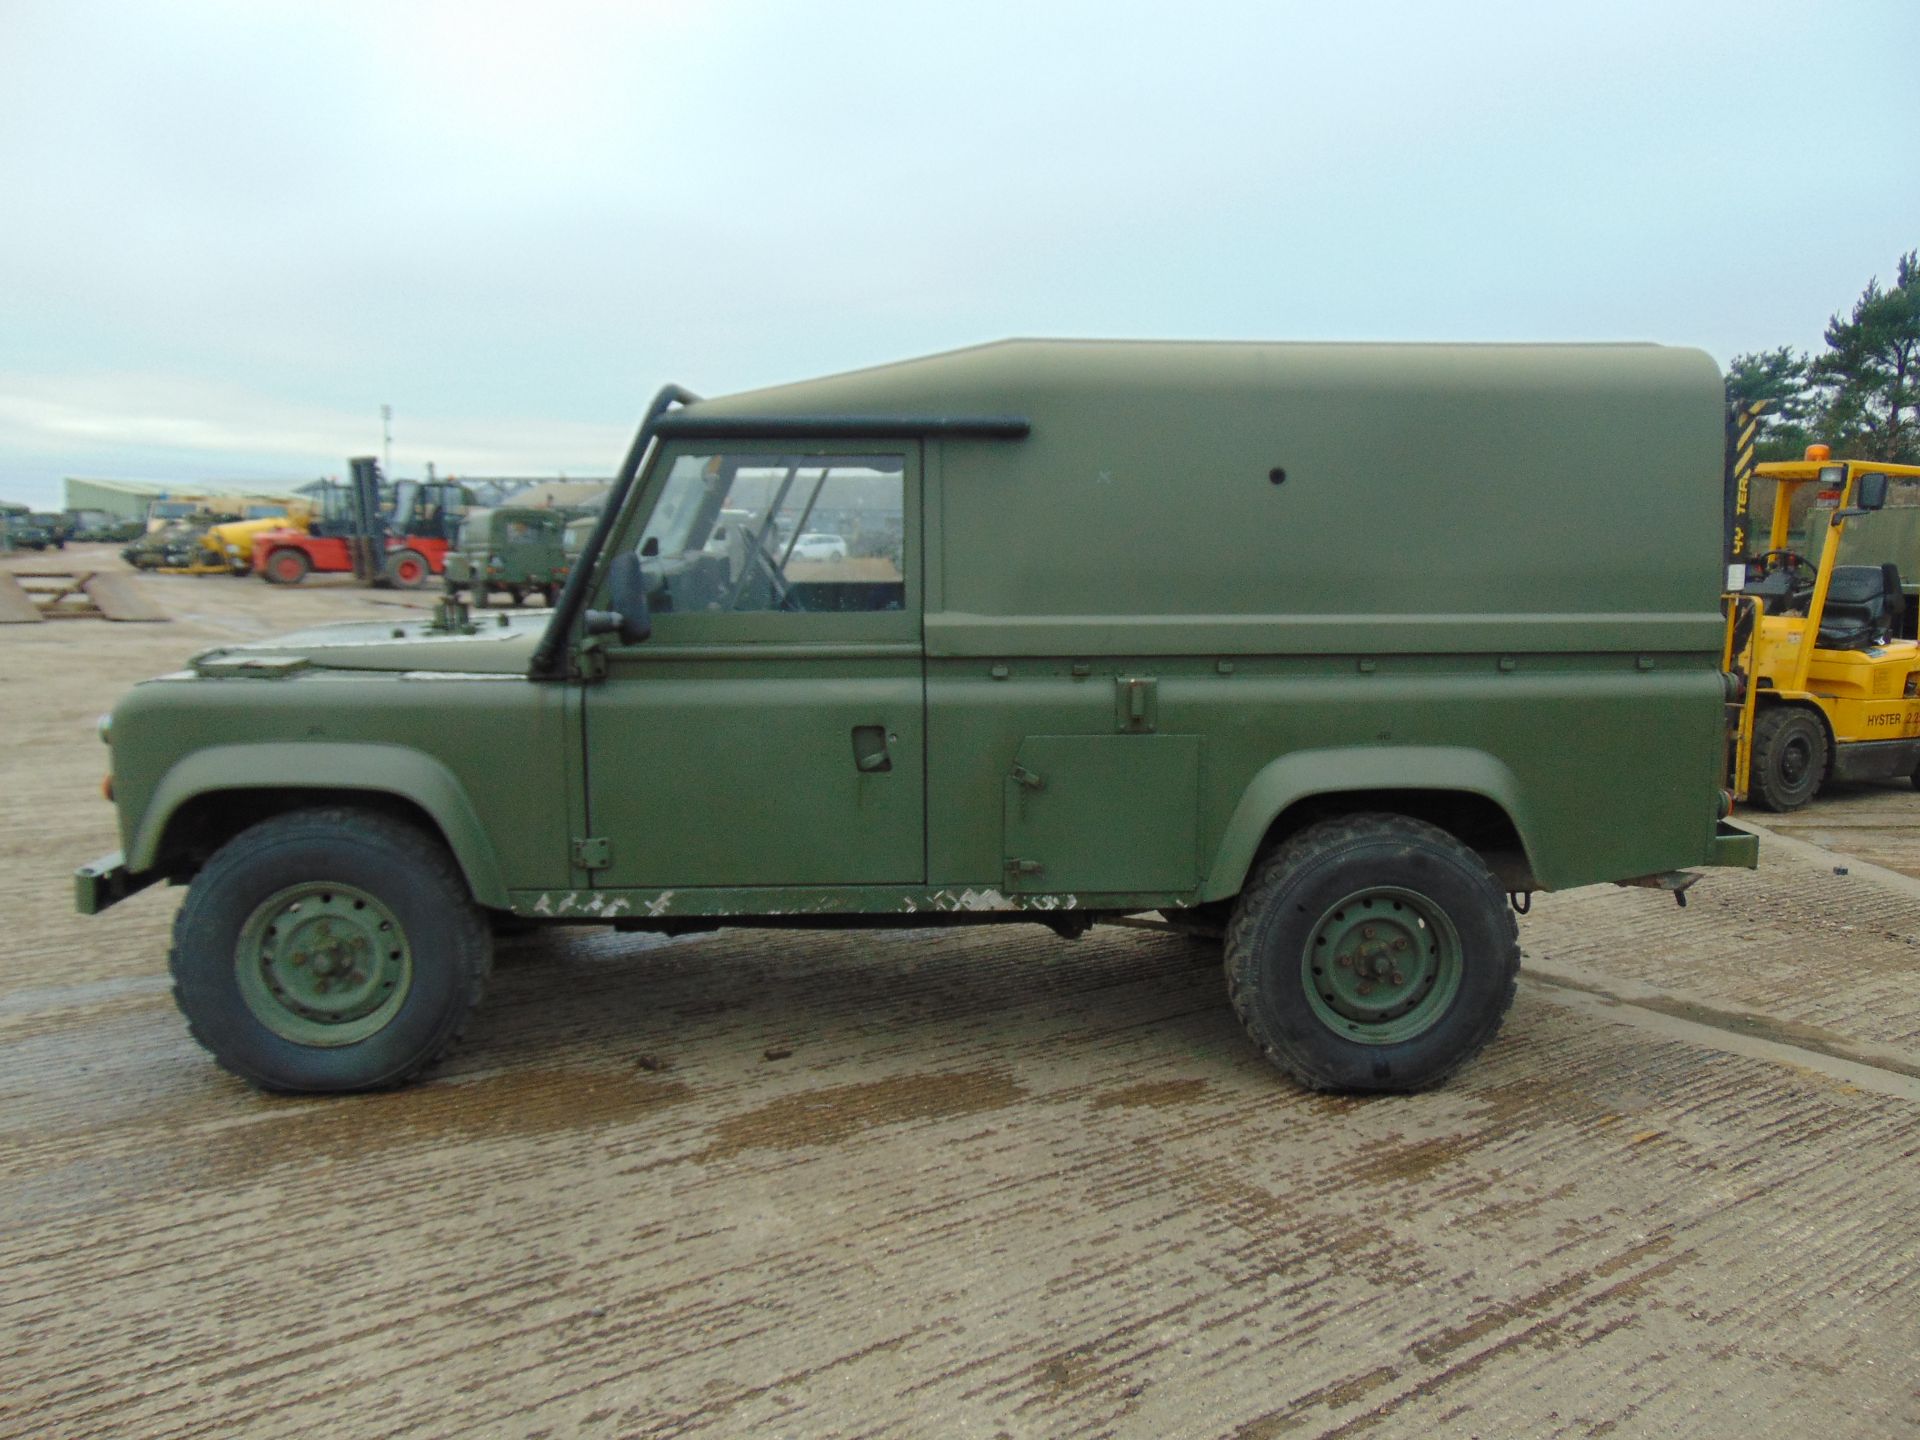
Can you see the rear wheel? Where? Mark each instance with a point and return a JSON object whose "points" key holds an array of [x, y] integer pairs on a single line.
{"points": [[408, 569], [1372, 953], [1789, 757], [287, 566], [329, 950]]}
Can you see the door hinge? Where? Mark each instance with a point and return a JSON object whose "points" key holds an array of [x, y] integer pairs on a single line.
{"points": [[590, 658], [1027, 778], [593, 853]]}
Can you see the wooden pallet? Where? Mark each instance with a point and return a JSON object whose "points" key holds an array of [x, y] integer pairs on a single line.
{"points": [[29, 596]]}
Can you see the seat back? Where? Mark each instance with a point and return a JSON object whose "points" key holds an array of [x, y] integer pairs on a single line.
{"points": [[1863, 603]]}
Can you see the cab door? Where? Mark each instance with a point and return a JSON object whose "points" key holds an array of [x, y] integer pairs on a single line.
{"points": [[771, 731]]}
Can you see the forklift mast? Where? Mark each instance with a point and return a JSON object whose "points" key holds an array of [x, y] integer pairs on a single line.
{"points": [[367, 543], [1743, 423]]}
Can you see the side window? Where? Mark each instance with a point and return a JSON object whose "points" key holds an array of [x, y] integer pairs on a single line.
{"points": [[736, 533]]}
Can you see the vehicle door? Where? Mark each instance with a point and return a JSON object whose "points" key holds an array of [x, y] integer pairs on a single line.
{"points": [[771, 730]]}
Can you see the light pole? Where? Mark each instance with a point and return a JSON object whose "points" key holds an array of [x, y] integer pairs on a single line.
{"points": [[386, 441]]}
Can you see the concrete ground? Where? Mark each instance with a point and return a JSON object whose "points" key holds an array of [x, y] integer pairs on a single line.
{"points": [[985, 1182]]}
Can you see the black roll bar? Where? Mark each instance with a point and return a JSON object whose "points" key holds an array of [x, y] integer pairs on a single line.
{"points": [[548, 662]]}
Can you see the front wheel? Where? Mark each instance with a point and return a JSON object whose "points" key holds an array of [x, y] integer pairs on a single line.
{"points": [[1372, 953], [1789, 757], [408, 569], [329, 950], [287, 566]]}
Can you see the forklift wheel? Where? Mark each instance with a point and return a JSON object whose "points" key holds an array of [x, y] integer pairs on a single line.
{"points": [[287, 566], [1789, 757], [407, 569]]}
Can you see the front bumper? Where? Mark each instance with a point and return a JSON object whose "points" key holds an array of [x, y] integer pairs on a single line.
{"points": [[107, 881]]}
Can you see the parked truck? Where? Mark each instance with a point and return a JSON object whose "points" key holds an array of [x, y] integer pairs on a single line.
{"points": [[512, 551], [1322, 651]]}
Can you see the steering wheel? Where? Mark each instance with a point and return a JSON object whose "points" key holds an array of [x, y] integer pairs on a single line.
{"points": [[1801, 572]]}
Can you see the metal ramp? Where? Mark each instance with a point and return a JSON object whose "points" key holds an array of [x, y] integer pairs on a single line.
{"points": [[30, 596]]}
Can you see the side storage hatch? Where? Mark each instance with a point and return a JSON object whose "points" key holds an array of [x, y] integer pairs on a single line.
{"points": [[1103, 813]]}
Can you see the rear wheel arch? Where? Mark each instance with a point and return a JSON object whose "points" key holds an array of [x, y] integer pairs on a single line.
{"points": [[1468, 794]]}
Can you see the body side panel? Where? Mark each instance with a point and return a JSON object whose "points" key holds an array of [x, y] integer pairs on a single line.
{"points": [[485, 758]]}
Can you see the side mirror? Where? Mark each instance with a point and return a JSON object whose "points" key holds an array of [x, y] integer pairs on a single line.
{"points": [[628, 585], [1870, 491]]}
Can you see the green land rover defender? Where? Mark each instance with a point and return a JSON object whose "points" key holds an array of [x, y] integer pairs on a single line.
{"points": [[1323, 651]]}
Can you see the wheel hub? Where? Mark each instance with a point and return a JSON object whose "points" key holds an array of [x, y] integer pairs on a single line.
{"points": [[1795, 760], [323, 964], [1382, 965]]}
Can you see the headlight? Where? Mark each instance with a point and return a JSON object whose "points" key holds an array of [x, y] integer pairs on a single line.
{"points": [[106, 729], [233, 549]]}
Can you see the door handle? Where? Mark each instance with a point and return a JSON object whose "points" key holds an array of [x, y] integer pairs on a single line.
{"points": [[870, 753]]}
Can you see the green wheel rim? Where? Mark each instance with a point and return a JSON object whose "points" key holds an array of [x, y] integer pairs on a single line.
{"points": [[323, 964], [1381, 966]]}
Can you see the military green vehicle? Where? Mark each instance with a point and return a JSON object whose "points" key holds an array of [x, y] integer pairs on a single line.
{"points": [[511, 550], [1324, 651], [36, 530], [88, 526], [176, 543]]}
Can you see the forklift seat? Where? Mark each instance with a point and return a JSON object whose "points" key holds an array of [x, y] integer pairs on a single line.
{"points": [[1864, 605]]}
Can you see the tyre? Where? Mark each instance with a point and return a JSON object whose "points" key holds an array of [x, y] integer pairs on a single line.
{"points": [[1789, 757], [1371, 953], [408, 570], [287, 566], [329, 950]]}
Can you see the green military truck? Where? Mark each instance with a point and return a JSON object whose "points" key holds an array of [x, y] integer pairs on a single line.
{"points": [[511, 550], [1319, 649]]}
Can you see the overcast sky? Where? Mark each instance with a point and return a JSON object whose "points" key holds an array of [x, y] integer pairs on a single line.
{"points": [[230, 232]]}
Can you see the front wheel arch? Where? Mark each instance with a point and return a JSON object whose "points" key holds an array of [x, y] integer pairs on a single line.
{"points": [[212, 795]]}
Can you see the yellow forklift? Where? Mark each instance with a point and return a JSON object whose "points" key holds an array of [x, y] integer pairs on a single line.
{"points": [[1825, 667]]}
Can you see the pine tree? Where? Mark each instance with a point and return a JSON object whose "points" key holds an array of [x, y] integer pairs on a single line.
{"points": [[1868, 380], [1779, 377]]}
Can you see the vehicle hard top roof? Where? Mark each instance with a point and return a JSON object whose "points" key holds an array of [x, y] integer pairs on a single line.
{"points": [[1000, 388]]}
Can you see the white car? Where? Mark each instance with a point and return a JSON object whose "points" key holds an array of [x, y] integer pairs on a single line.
{"points": [[820, 546]]}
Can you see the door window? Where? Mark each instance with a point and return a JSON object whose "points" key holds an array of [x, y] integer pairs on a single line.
{"points": [[758, 532]]}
